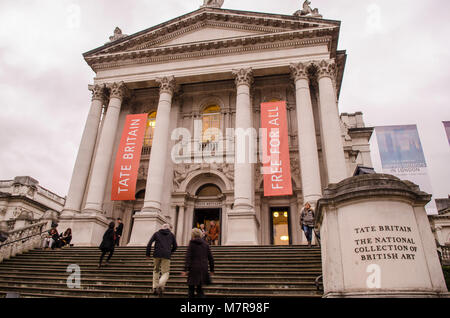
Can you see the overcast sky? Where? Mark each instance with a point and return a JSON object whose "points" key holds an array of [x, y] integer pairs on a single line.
{"points": [[397, 72]]}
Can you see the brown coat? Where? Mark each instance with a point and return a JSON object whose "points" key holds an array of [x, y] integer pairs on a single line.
{"points": [[213, 233]]}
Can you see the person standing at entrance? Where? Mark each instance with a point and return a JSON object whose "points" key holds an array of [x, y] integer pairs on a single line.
{"points": [[107, 244], [307, 221], [165, 246], [213, 233], [119, 231], [196, 264]]}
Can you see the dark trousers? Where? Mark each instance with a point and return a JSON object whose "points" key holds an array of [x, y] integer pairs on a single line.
{"points": [[308, 232], [117, 240], [111, 252], [200, 293]]}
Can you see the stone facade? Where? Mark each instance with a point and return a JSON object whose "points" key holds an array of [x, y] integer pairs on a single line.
{"points": [[232, 60], [23, 202], [440, 223]]}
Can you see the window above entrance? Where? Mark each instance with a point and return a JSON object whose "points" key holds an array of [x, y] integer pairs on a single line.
{"points": [[211, 124], [208, 190], [151, 123]]}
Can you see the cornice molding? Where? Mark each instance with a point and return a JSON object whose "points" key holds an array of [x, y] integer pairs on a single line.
{"points": [[195, 51], [265, 22]]}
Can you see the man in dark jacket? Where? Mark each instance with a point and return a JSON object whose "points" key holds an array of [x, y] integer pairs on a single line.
{"points": [[165, 245], [119, 231]]}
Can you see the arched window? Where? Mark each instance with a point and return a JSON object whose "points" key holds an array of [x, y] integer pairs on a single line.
{"points": [[208, 190], [151, 123], [211, 123]]}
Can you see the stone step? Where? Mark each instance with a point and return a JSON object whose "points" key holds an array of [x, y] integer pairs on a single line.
{"points": [[121, 291], [136, 261], [41, 294], [146, 285], [176, 254], [146, 269], [253, 271], [174, 280], [148, 277]]}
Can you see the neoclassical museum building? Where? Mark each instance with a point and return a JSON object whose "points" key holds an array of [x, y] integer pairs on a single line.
{"points": [[209, 71]]}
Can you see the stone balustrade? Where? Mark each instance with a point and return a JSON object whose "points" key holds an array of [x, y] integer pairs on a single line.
{"points": [[22, 240]]}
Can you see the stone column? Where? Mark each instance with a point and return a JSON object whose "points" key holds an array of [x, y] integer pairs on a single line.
{"points": [[150, 219], [180, 226], [242, 226], [102, 161], [333, 147], [307, 143], [85, 153]]}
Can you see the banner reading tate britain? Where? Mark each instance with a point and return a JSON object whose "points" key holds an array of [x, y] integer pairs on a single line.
{"points": [[275, 149], [128, 158]]}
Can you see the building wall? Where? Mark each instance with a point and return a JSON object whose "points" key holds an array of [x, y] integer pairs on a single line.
{"points": [[187, 106], [24, 201]]}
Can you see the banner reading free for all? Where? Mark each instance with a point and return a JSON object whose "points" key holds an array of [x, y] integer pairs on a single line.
{"points": [[276, 163], [128, 158]]}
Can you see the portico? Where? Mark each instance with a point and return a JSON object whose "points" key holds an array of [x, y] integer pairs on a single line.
{"points": [[212, 67]]}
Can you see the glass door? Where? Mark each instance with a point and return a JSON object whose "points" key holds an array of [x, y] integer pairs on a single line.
{"points": [[280, 228]]}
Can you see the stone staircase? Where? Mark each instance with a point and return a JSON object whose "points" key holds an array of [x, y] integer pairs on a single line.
{"points": [[256, 271]]}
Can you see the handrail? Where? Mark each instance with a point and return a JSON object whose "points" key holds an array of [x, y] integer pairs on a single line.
{"points": [[27, 227], [23, 239], [316, 282], [10, 233]]}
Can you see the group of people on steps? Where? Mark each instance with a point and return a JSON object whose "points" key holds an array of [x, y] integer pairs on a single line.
{"points": [[198, 255]]}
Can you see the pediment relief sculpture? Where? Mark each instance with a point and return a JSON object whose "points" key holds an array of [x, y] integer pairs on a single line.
{"points": [[182, 171]]}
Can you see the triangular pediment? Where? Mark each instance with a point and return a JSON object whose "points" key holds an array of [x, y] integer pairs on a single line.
{"points": [[212, 25], [207, 33]]}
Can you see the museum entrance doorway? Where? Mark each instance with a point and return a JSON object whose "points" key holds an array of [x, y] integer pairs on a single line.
{"points": [[205, 216], [280, 226]]}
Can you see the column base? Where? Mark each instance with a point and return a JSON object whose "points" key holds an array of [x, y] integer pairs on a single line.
{"points": [[389, 294], [68, 213], [144, 226], [242, 228], [87, 230]]}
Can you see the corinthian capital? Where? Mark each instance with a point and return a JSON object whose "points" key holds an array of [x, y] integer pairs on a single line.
{"points": [[98, 92], [118, 90], [325, 68], [167, 84], [244, 76], [299, 71]]}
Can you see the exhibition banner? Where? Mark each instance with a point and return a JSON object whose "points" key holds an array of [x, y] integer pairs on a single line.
{"points": [[447, 130], [402, 155], [128, 158], [275, 147]]}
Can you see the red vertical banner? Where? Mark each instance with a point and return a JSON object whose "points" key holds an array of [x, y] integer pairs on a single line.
{"points": [[275, 147], [128, 158]]}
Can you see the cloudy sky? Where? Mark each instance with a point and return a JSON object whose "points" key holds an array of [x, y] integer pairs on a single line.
{"points": [[398, 71]]}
